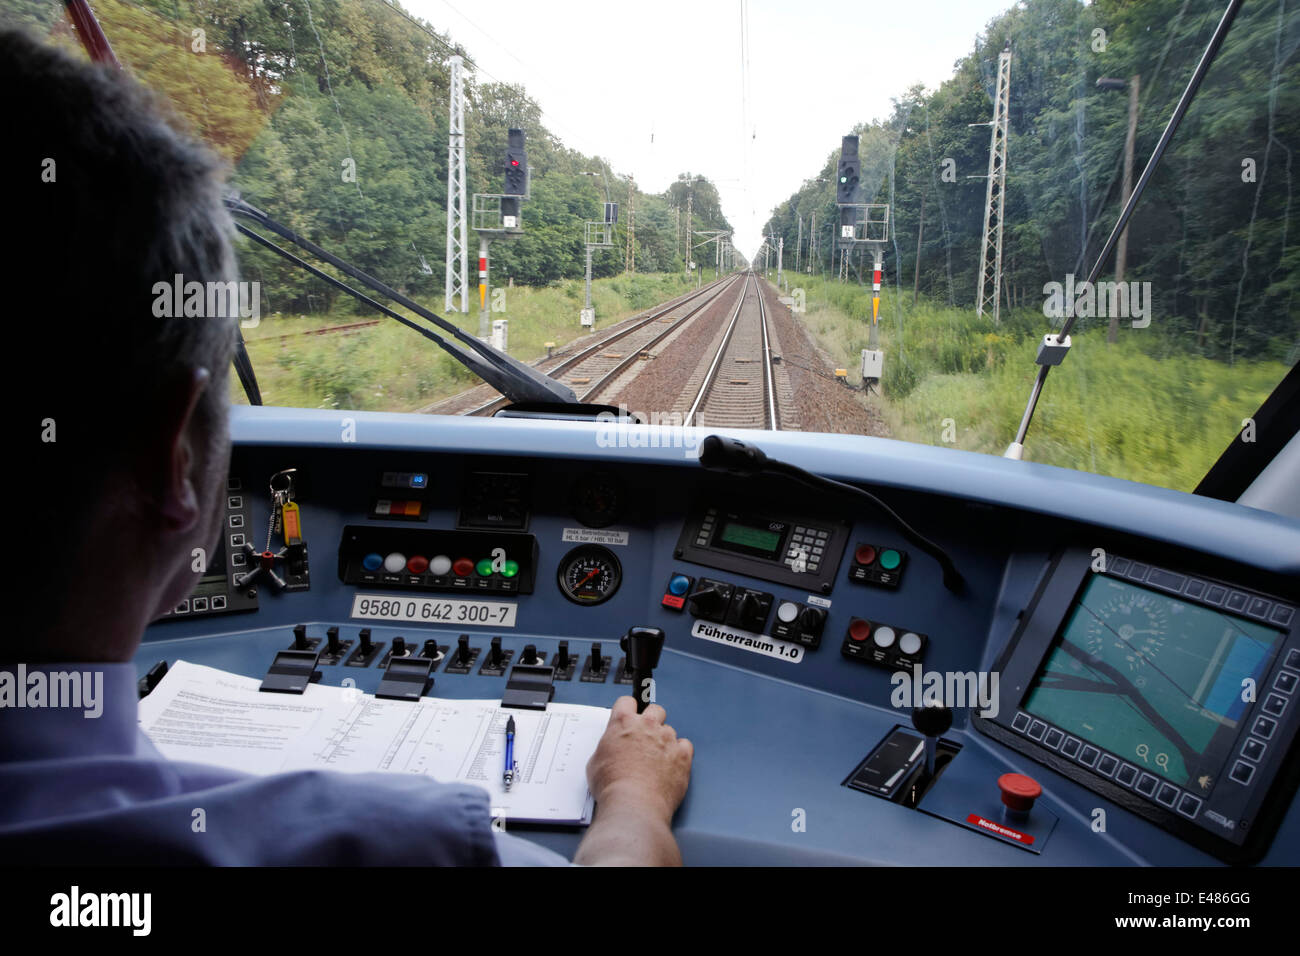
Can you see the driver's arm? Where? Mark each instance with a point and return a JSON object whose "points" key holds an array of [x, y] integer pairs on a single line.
{"points": [[638, 776]]}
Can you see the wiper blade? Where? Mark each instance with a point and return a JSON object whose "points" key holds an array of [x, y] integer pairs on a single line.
{"points": [[469, 359], [1053, 349], [513, 379]]}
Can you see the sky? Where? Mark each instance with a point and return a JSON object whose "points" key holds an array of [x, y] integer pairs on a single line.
{"points": [[658, 89]]}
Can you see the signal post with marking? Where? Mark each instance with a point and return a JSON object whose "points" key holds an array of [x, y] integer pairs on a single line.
{"points": [[863, 222], [496, 215]]}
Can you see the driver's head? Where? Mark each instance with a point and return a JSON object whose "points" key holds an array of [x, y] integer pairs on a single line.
{"points": [[121, 443]]}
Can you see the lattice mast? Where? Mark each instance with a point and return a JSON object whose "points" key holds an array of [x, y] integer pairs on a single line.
{"points": [[457, 284], [629, 257], [990, 289]]}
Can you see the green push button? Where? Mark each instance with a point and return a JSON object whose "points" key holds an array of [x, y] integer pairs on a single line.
{"points": [[890, 559], [511, 569], [484, 567]]}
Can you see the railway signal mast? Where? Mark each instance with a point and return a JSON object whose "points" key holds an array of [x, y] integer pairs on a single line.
{"points": [[862, 223], [496, 216], [600, 235]]}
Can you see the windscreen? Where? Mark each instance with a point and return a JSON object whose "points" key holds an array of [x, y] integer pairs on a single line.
{"points": [[667, 146]]}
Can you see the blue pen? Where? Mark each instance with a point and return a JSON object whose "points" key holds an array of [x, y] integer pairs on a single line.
{"points": [[511, 767]]}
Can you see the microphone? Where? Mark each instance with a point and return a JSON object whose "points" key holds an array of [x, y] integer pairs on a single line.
{"points": [[734, 457], [731, 456]]}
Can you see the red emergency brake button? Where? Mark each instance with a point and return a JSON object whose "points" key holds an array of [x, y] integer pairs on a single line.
{"points": [[463, 567], [1019, 792], [859, 630]]}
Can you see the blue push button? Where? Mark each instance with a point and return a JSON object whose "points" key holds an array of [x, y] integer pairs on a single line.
{"points": [[678, 585], [372, 561]]}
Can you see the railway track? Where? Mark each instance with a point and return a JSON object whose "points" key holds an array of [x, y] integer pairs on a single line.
{"points": [[590, 371], [739, 386]]}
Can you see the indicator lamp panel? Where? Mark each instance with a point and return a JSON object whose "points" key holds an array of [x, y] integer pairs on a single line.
{"points": [[496, 562], [877, 564]]}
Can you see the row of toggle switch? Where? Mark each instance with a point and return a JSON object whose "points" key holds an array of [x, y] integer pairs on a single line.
{"points": [[597, 667]]}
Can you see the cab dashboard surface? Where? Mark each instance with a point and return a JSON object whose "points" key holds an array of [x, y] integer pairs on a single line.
{"points": [[1117, 670]]}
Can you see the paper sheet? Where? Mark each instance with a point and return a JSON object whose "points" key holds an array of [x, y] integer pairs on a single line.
{"points": [[206, 715]]}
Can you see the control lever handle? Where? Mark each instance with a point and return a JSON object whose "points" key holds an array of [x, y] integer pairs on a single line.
{"points": [[933, 720], [642, 645]]}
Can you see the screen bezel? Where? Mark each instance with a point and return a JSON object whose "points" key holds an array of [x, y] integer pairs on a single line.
{"points": [[1019, 663]]}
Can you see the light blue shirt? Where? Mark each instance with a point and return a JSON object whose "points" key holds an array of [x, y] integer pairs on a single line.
{"points": [[76, 789]]}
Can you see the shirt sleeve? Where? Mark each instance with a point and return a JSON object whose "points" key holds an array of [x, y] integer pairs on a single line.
{"points": [[514, 851]]}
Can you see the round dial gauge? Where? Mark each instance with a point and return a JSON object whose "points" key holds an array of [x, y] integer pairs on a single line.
{"points": [[597, 499], [589, 574], [1129, 630]]}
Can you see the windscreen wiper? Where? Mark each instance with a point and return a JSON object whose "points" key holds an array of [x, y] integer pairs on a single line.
{"points": [[1052, 350], [513, 379]]}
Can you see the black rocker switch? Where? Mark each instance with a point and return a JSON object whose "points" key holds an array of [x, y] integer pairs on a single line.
{"points": [[642, 646], [561, 656], [463, 653], [332, 636], [399, 647], [300, 637], [530, 655], [811, 620], [494, 653], [709, 601], [933, 720]]}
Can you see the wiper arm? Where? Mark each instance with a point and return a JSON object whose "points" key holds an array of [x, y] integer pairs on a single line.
{"points": [[513, 379], [470, 360], [1052, 350]]}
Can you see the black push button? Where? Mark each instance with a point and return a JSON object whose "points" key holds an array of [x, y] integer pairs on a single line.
{"points": [[1242, 772], [1189, 805]]}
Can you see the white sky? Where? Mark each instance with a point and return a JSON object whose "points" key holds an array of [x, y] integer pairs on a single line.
{"points": [[633, 66]]}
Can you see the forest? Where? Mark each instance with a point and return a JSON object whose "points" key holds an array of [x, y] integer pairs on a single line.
{"points": [[333, 115], [1211, 233]]}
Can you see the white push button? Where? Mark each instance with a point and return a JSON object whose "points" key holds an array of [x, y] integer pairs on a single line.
{"points": [[395, 562], [787, 612], [884, 636], [439, 564], [909, 643]]}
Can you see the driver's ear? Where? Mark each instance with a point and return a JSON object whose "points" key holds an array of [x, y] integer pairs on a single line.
{"points": [[178, 452]]}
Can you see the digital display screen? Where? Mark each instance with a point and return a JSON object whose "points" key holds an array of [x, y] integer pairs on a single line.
{"points": [[1152, 679], [762, 540]]}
